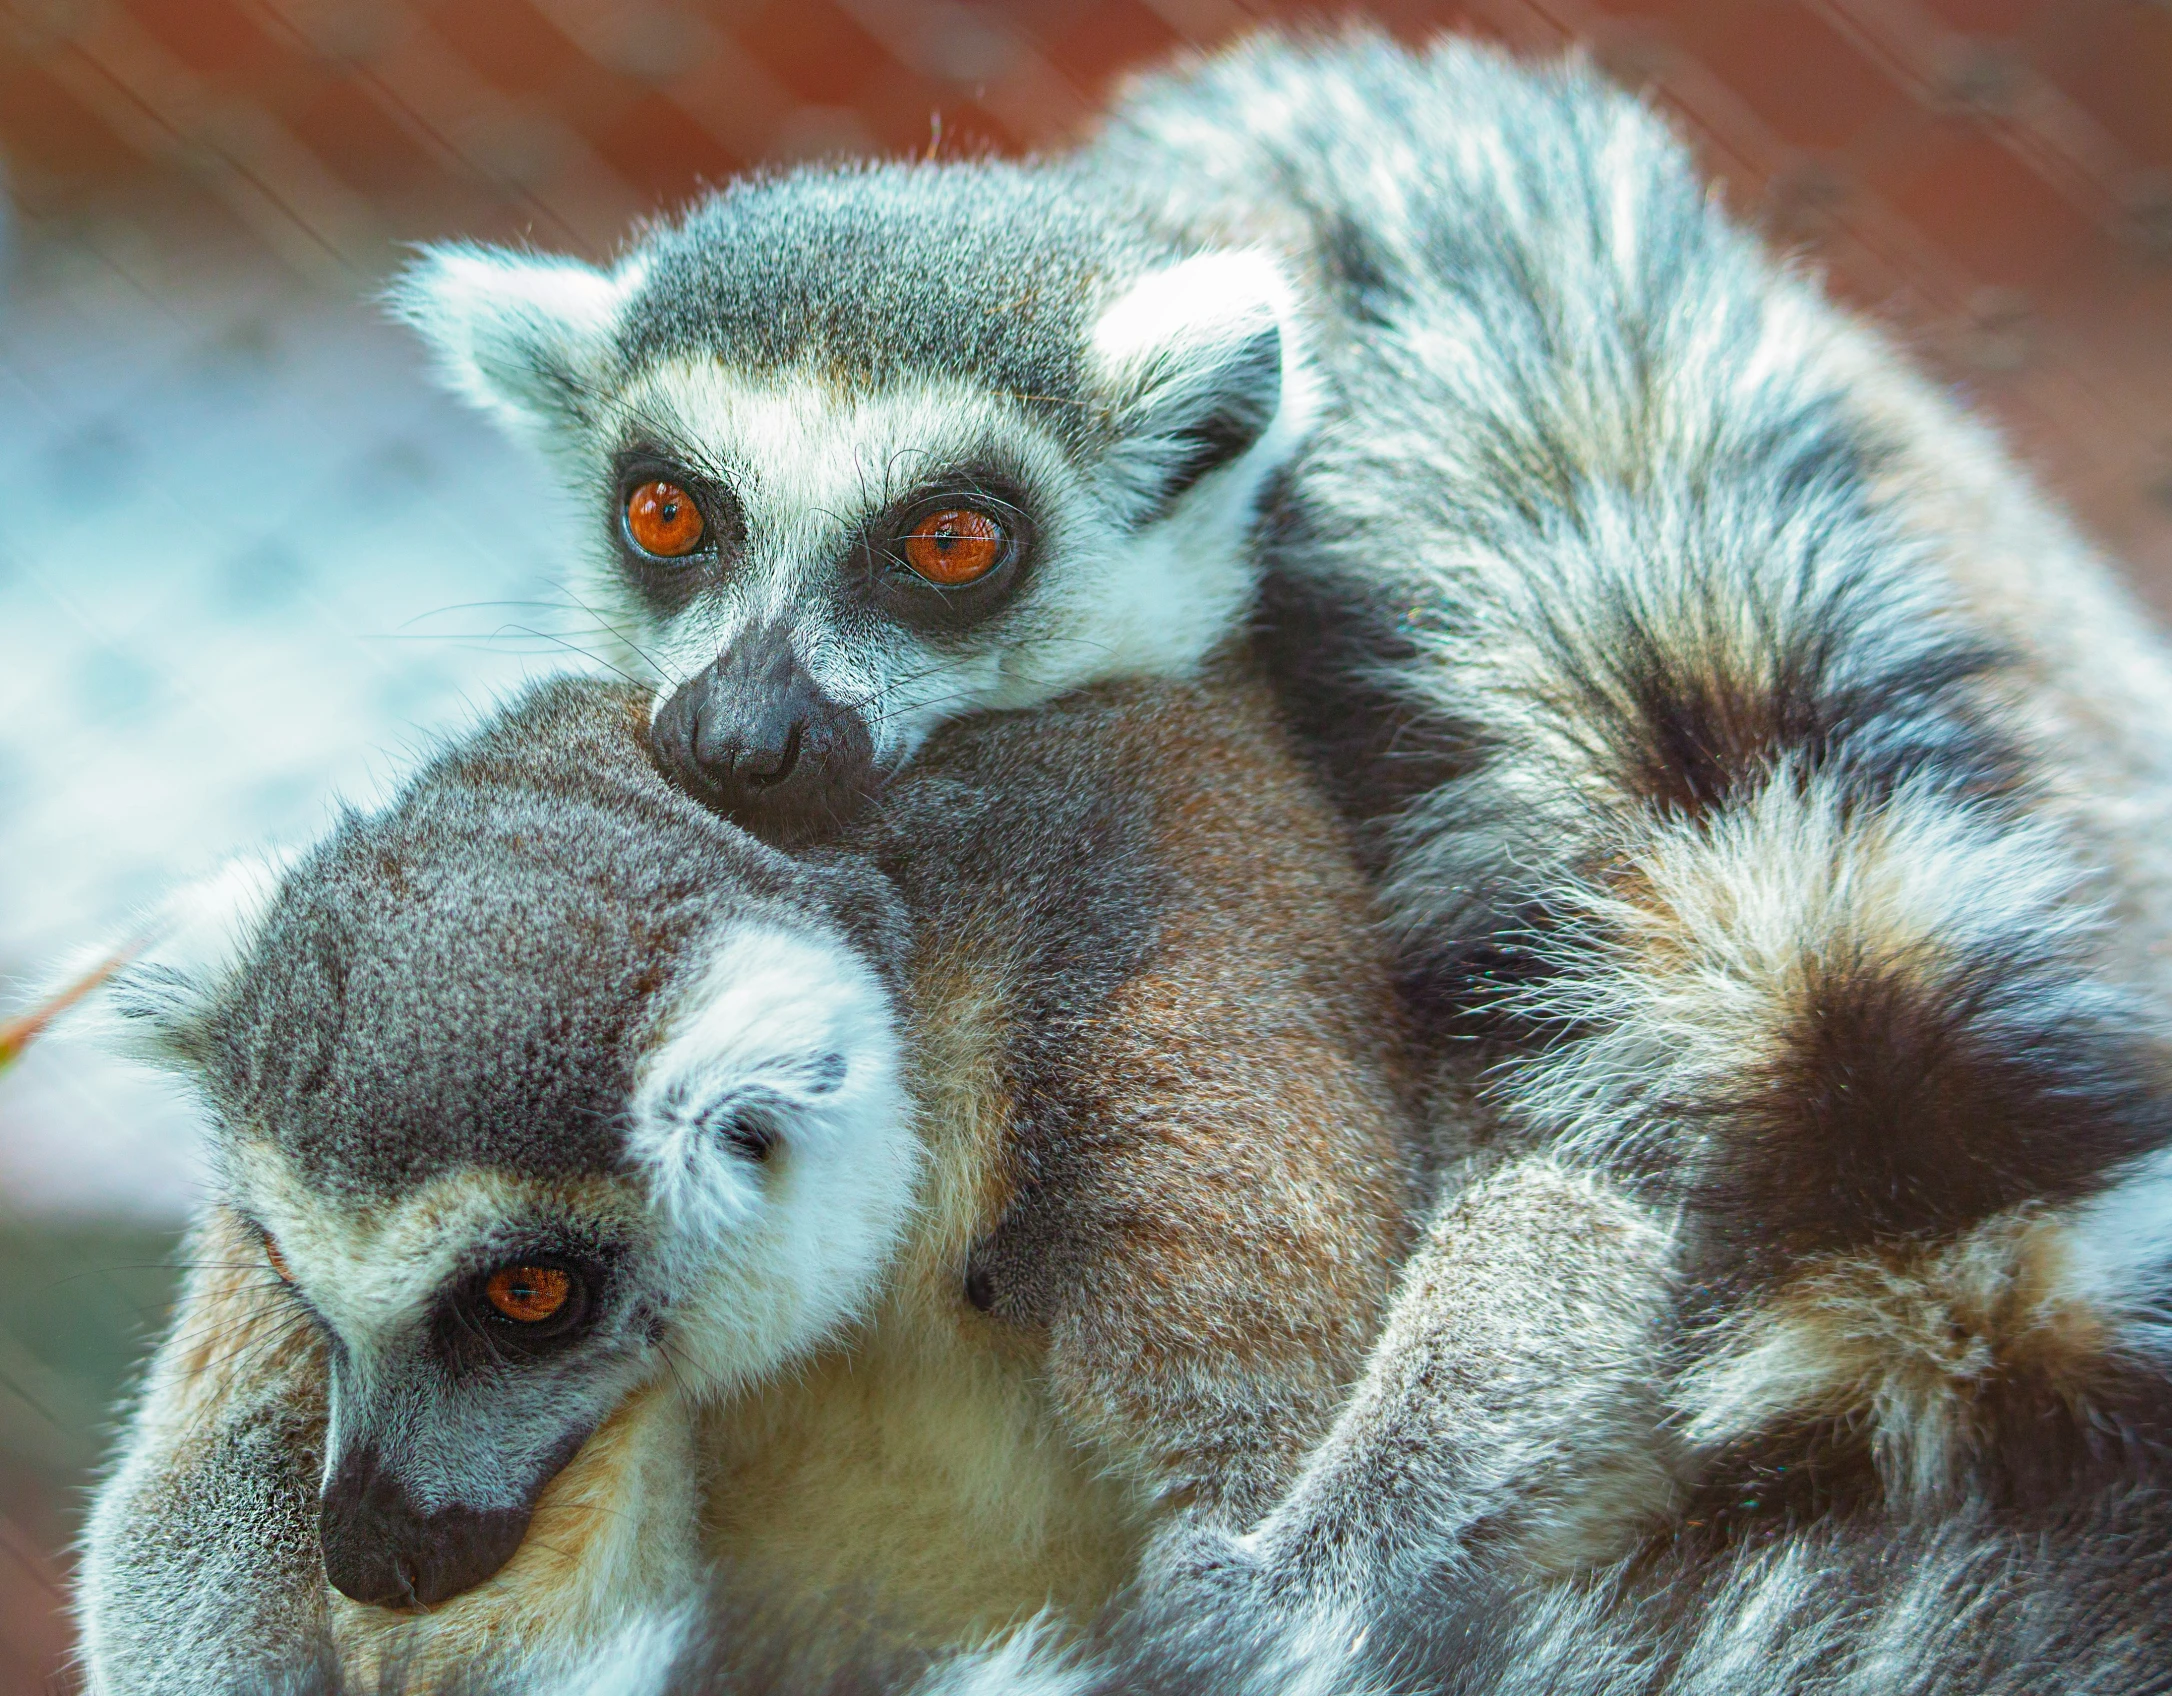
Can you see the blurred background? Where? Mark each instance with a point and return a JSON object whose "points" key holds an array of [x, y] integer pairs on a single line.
{"points": [[249, 559]]}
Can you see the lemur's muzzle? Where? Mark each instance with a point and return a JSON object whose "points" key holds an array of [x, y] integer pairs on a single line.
{"points": [[754, 737], [381, 1549]]}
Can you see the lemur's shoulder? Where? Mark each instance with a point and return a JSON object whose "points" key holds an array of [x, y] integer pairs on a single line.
{"points": [[1193, 1038]]}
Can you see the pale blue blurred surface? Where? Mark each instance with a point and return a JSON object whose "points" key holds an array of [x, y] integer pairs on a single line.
{"points": [[250, 560]]}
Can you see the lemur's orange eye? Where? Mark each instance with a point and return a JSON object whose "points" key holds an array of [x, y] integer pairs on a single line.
{"points": [[530, 1294], [663, 520], [954, 548], [278, 1260]]}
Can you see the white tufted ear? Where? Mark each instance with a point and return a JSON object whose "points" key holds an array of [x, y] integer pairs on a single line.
{"points": [[176, 964], [1203, 368], [524, 336], [772, 1129]]}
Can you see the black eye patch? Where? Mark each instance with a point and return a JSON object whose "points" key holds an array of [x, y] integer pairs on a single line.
{"points": [[968, 514], [525, 1304]]}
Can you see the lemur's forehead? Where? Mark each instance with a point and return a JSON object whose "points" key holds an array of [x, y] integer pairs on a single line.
{"points": [[800, 443], [877, 273], [470, 984]]}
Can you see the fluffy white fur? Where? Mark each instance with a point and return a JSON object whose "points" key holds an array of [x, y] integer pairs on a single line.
{"points": [[774, 1253], [510, 329], [2119, 1254], [1181, 332]]}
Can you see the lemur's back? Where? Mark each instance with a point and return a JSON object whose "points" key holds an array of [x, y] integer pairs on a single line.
{"points": [[1160, 1068]]}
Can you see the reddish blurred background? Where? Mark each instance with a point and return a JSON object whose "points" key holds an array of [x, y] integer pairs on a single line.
{"points": [[1991, 177]]}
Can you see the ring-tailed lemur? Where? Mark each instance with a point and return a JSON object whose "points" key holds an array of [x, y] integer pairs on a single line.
{"points": [[1554, 458], [1778, 790], [603, 1192], [874, 449]]}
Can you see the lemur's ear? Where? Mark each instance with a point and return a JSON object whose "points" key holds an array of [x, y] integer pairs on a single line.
{"points": [[156, 1004], [524, 336], [1202, 367], [783, 1037]]}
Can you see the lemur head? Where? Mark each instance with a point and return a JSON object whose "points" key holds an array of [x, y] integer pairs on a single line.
{"points": [[868, 449], [538, 1084]]}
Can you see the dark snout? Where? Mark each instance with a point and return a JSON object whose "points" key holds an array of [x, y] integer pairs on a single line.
{"points": [[381, 1549], [754, 737]]}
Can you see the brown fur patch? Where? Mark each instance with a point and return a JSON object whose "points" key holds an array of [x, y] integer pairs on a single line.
{"points": [[236, 1328], [1908, 1345], [1183, 1144], [1213, 1194]]}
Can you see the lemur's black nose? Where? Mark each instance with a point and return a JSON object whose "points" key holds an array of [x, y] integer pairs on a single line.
{"points": [[754, 737], [381, 1549]]}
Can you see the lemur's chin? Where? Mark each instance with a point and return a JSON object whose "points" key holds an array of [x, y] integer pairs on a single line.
{"points": [[753, 738]]}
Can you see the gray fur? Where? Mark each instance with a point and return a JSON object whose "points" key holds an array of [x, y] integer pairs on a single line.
{"points": [[400, 928], [1604, 509], [1745, 758], [880, 275], [1618, 570], [1750, 764]]}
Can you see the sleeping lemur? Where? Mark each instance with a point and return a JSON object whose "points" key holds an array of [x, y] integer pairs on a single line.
{"points": [[602, 1192]]}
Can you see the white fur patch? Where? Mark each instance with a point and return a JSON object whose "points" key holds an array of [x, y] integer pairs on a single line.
{"points": [[788, 1039], [1034, 1660], [1192, 315], [637, 1660], [372, 1271], [2119, 1253], [510, 327], [809, 466], [1172, 340]]}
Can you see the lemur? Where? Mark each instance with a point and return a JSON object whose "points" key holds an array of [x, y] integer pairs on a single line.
{"points": [[1576, 511], [1446, 380], [1756, 769], [1771, 787], [602, 1192], [871, 449]]}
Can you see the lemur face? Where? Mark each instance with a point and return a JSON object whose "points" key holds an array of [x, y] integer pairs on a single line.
{"points": [[537, 1090], [870, 450]]}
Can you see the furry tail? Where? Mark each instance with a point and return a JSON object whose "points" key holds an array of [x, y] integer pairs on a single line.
{"points": [[1729, 822]]}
